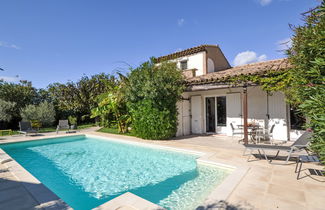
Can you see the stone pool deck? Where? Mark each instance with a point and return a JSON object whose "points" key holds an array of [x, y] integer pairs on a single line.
{"points": [[265, 186]]}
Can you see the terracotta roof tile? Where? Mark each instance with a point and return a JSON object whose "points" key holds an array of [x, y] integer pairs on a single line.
{"points": [[248, 69], [189, 51]]}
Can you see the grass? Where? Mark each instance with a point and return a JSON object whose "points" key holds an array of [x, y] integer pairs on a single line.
{"points": [[52, 129], [46, 130], [86, 126], [7, 133], [114, 131]]}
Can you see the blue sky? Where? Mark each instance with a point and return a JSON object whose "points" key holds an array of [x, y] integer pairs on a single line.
{"points": [[46, 41]]}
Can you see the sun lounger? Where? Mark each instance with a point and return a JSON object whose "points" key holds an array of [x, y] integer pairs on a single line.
{"points": [[300, 144], [63, 124], [26, 128]]}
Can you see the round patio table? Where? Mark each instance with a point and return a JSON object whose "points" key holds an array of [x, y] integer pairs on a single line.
{"points": [[251, 131]]}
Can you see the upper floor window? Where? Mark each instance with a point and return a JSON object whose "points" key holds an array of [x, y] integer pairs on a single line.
{"points": [[183, 65]]}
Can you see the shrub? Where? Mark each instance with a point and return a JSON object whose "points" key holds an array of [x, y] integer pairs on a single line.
{"points": [[308, 74], [72, 120], [112, 109], [154, 123], [152, 94], [44, 113], [36, 124]]}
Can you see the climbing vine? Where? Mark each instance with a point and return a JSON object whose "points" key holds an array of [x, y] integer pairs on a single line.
{"points": [[269, 81]]}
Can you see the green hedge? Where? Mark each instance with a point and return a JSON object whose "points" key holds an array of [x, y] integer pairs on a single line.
{"points": [[152, 94]]}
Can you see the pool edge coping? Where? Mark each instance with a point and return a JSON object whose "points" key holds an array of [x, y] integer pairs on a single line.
{"points": [[45, 197]]}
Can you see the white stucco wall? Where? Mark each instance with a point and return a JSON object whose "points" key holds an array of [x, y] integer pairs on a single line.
{"points": [[257, 110], [195, 61]]}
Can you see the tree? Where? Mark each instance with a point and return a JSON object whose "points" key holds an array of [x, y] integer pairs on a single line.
{"points": [[152, 93], [79, 98], [21, 94], [112, 107], [307, 87], [6, 110], [43, 113]]}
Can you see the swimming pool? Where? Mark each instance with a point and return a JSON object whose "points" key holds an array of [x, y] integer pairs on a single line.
{"points": [[87, 171]]}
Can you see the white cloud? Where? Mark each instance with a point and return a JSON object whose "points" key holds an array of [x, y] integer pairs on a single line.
{"points": [[284, 44], [10, 79], [7, 45], [180, 22], [265, 2], [248, 57]]}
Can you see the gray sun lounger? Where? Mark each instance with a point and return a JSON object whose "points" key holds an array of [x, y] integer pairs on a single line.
{"points": [[63, 124], [26, 128], [300, 144]]}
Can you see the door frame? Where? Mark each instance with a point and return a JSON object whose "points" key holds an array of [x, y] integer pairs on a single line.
{"points": [[216, 117]]}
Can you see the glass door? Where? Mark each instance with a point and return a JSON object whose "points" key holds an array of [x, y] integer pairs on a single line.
{"points": [[210, 105], [221, 111], [216, 113]]}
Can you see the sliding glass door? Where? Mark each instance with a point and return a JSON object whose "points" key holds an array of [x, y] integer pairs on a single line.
{"points": [[210, 104], [216, 113], [221, 111]]}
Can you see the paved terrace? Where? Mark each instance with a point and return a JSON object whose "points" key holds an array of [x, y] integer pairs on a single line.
{"points": [[265, 186]]}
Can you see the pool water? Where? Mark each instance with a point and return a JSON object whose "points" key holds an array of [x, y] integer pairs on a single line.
{"points": [[87, 172]]}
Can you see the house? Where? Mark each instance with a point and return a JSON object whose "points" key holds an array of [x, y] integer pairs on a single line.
{"points": [[210, 106]]}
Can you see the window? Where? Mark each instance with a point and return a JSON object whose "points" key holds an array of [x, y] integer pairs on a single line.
{"points": [[297, 120], [210, 104], [221, 111], [183, 65]]}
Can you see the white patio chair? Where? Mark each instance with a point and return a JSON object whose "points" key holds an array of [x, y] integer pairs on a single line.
{"points": [[235, 131], [265, 134]]}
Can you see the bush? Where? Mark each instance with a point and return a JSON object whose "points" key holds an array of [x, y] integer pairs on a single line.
{"points": [[44, 113], [308, 74], [72, 120], [152, 94], [36, 124], [153, 123]]}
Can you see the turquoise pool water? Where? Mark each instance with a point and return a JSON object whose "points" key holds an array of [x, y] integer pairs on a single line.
{"points": [[86, 172]]}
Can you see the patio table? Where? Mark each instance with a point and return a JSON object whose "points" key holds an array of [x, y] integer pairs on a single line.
{"points": [[251, 131]]}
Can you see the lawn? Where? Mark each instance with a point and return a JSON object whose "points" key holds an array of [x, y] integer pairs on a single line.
{"points": [[114, 131], [52, 129]]}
